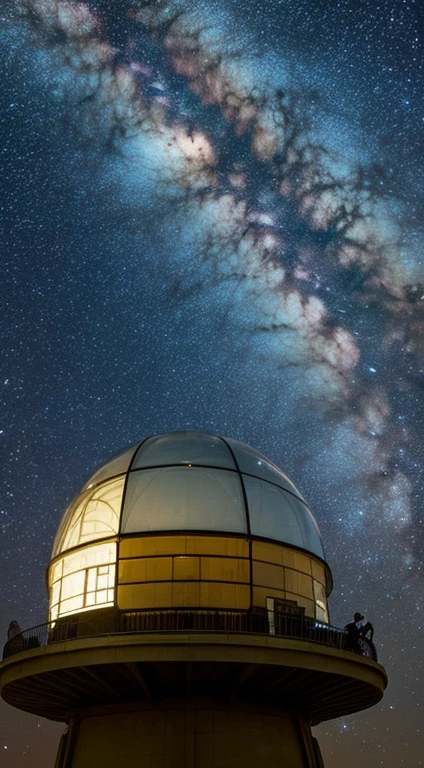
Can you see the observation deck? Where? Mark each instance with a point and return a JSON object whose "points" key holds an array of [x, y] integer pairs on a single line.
{"points": [[153, 656]]}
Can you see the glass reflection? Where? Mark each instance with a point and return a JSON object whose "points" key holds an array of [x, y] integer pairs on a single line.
{"points": [[184, 448], [184, 498], [276, 514], [115, 466], [254, 463], [321, 609], [93, 515]]}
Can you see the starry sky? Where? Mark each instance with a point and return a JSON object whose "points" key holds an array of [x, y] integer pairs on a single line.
{"points": [[211, 219]]}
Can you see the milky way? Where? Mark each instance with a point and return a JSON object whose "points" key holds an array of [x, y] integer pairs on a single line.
{"points": [[221, 199]]}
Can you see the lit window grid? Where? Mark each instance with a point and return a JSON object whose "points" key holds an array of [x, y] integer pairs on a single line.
{"points": [[74, 589], [83, 580]]}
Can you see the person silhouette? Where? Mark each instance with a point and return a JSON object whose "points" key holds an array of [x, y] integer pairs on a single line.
{"points": [[355, 630], [15, 640]]}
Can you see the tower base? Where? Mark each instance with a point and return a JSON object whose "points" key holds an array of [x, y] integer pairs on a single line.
{"points": [[188, 734]]}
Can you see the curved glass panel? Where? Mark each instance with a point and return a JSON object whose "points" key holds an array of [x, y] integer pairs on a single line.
{"points": [[93, 515], [184, 448], [321, 609], [276, 514], [116, 466], [183, 498], [83, 580], [255, 463]]}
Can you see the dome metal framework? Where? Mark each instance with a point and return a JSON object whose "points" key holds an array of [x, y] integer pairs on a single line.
{"points": [[172, 483]]}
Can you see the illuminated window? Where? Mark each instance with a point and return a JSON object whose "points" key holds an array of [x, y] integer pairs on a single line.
{"points": [[321, 610], [94, 515], [83, 580]]}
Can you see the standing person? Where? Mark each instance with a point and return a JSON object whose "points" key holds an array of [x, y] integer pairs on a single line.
{"points": [[355, 630]]}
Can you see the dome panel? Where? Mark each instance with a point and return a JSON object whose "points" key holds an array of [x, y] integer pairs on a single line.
{"points": [[160, 495], [184, 448], [183, 498], [94, 514], [276, 514], [254, 463], [117, 465]]}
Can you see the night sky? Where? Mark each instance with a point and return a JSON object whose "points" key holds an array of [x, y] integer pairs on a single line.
{"points": [[211, 219]]}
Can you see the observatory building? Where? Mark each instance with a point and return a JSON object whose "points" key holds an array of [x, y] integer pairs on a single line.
{"points": [[188, 620]]}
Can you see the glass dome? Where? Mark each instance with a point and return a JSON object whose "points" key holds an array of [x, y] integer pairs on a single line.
{"points": [[188, 481]]}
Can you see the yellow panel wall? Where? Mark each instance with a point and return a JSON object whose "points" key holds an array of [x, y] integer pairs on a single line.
{"points": [[145, 569], [268, 553], [159, 572], [281, 555], [186, 568], [302, 562], [299, 583], [281, 572], [260, 595], [318, 571], [229, 596], [147, 546], [217, 545], [224, 569], [186, 594], [197, 561], [267, 574], [133, 596]]}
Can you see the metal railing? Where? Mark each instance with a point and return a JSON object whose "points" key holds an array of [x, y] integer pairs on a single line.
{"points": [[101, 623]]}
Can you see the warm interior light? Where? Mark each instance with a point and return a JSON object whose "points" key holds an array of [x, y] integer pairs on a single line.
{"points": [[83, 580], [93, 515]]}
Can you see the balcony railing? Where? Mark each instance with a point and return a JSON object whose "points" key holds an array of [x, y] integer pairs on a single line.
{"points": [[101, 623]]}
